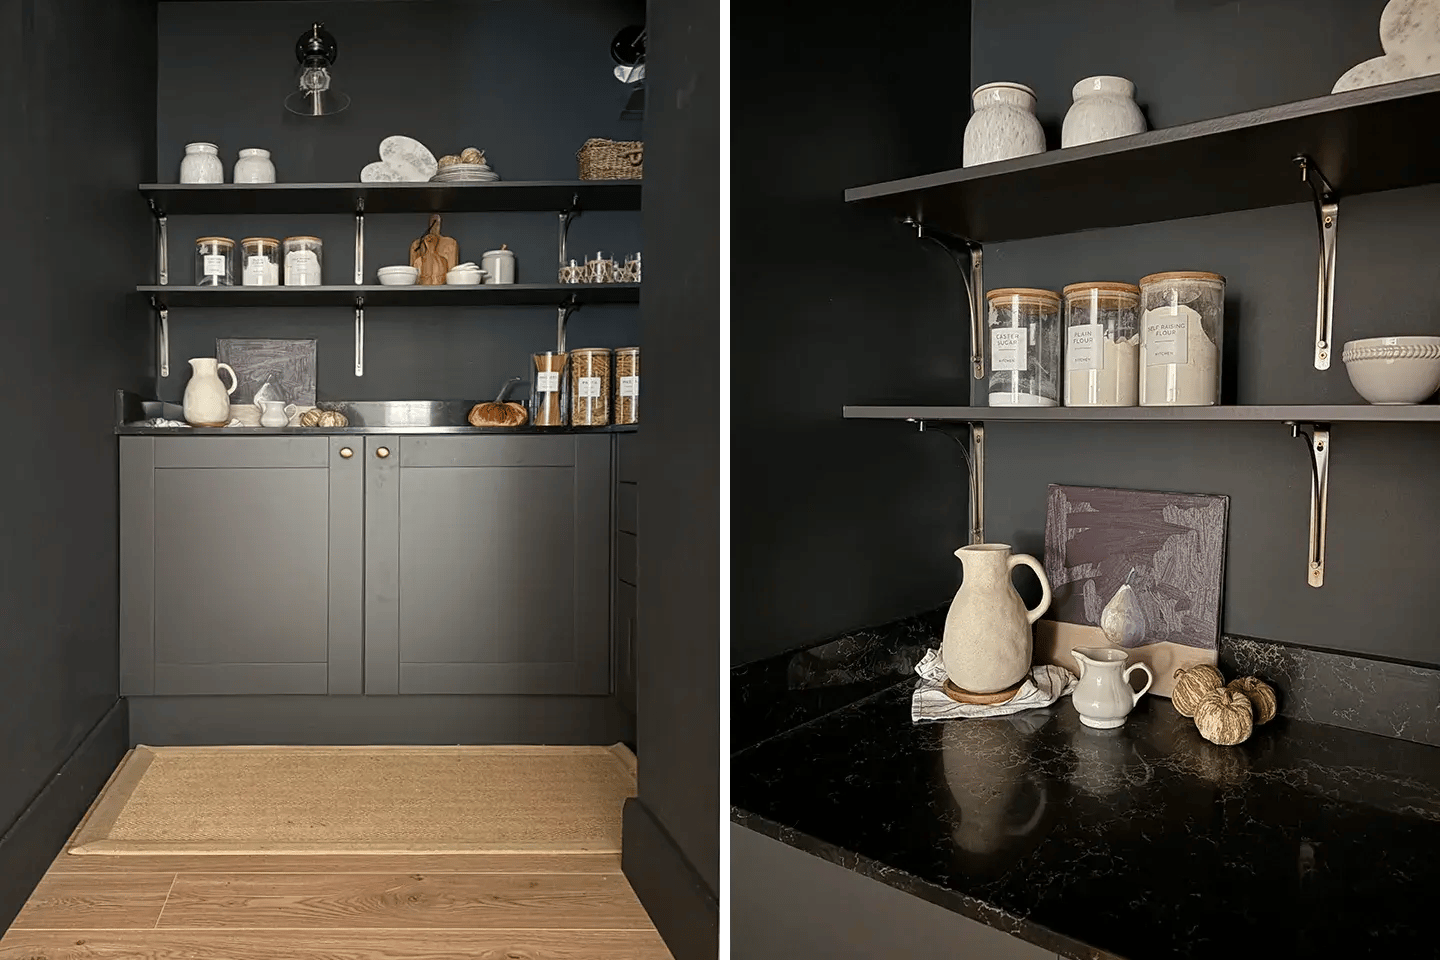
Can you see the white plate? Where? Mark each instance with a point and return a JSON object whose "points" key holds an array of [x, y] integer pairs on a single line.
{"points": [[409, 156]]}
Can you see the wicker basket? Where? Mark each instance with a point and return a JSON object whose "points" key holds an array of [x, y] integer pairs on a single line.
{"points": [[612, 160]]}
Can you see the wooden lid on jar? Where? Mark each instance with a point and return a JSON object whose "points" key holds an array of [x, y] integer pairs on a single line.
{"points": [[302, 240], [590, 350], [1029, 294], [1104, 286], [248, 240], [1180, 275], [222, 241]]}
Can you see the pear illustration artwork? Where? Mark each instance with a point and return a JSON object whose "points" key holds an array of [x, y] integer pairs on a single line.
{"points": [[1123, 619]]}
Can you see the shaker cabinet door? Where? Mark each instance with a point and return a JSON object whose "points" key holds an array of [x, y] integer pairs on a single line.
{"points": [[498, 548], [241, 571]]}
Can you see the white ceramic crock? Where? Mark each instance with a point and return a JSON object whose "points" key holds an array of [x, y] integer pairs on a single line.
{"points": [[202, 164], [1104, 109], [1003, 125], [254, 166]]}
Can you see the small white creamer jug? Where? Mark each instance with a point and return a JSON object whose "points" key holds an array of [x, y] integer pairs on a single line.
{"points": [[1104, 697]]}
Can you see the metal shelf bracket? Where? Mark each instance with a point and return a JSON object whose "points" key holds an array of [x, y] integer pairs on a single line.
{"points": [[163, 331], [566, 215], [1327, 221], [162, 244], [360, 241], [359, 336], [974, 455], [973, 275], [563, 320], [1318, 441]]}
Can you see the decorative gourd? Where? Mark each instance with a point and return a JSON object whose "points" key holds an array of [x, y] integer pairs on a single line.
{"points": [[500, 413], [323, 418], [1192, 684], [1225, 717], [1260, 694], [434, 255]]}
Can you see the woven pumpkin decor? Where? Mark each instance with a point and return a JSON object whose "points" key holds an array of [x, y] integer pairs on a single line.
{"points": [[323, 418], [1260, 694], [434, 255], [1225, 717], [499, 413], [1192, 684]]}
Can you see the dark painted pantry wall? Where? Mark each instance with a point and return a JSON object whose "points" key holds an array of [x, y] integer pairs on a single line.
{"points": [[839, 524], [76, 117], [1189, 61], [527, 82]]}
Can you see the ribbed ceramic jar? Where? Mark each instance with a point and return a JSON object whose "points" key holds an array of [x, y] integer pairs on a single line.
{"points": [[202, 164], [1003, 126], [254, 166], [1104, 109]]}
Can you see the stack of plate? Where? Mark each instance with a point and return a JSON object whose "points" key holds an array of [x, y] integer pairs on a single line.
{"points": [[465, 173]]}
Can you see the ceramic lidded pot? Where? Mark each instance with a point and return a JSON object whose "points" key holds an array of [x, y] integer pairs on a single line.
{"points": [[1003, 126], [254, 166], [202, 164], [1104, 108]]}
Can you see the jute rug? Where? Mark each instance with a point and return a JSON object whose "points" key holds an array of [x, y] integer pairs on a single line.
{"points": [[337, 800]]}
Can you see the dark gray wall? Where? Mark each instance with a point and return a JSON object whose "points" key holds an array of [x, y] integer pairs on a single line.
{"points": [[675, 867], [78, 127], [526, 82], [1233, 57], [839, 524]]}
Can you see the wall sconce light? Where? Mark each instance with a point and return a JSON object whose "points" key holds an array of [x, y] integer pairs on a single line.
{"points": [[316, 50]]}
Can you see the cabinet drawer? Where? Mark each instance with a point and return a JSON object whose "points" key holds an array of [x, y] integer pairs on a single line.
{"points": [[625, 560], [489, 451], [241, 452], [627, 508]]}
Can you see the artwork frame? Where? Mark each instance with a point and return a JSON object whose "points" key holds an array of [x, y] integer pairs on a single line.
{"points": [[290, 364]]}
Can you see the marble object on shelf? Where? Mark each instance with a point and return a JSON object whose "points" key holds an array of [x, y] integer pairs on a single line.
{"points": [[402, 160], [1003, 126], [1104, 108], [1410, 37]]}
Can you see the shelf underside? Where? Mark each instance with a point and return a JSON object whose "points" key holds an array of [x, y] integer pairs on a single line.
{"points": [[1331, 413], [344, 198], [483, 295], [1378, 138]]}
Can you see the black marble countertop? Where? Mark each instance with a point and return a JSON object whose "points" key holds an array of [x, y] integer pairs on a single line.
{"points": [[1143, 842], [134, 430]]}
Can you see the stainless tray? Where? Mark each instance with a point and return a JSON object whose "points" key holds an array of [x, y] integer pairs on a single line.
{"points": [[402, 413]]}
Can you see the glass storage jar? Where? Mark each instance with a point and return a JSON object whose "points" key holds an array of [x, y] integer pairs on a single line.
{"points": [[214, 262], [1024, 347], [1102, 343], [548, 390], [303, 261], [590, 387], [627, 384], [1182, 327], [260, 263]]}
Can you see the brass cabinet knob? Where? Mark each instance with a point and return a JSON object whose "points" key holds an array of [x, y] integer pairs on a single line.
{"points": [[383, 452], [346, 453]]}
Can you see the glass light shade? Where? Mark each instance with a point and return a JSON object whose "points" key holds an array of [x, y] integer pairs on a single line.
{"points": [[315, 98]]}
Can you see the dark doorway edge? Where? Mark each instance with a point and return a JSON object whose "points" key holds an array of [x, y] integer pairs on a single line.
{"points": [[682, 907]]}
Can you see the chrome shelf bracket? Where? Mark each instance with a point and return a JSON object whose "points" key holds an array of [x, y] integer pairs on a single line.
{"points": [[359, 336], [162, 245], [1318, 441], [563, 321], [566, 215], [163, 332], [1327, 220], [360, 242], [974, 276], [974, 455]]}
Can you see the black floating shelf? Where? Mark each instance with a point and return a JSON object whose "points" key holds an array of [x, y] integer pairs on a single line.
{"points": [[482, 295], [1330, 413], [343, 198], [1378, 138]]}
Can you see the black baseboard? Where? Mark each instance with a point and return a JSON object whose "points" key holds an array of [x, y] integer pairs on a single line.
{"points": [[317, 720], [683, 908], [37, 835]]}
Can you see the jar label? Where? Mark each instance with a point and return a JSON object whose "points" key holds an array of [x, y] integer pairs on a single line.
{"points": [[547, 381], [629, 386], [1167, 335], [1007, 348], [588, 388], [302, 269], [1086, 350], [214, 265]]}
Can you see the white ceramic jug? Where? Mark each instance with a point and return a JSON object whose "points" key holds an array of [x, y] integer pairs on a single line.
{"points": [[1003, 125], [275, 413], [1104, 697], [1104, 108], [988, 640], [207, 402]]}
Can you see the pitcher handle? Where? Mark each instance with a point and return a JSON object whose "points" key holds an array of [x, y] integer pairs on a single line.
{"points": [[1033, 564], [1149, 679], [234, 380]]}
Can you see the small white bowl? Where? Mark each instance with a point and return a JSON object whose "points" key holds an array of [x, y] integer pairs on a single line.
{"points": [[465, 278], [399, 276], [1393, 371]]}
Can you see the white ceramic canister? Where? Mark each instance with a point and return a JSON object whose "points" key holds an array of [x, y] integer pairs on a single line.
{"points": [[202, 164], [499, 265], [1003, 125], [1104, 108], [254, 166]]}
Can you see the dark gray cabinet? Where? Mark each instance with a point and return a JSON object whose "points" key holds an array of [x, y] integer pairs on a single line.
{"points": [[626, 612], [366, 564]]}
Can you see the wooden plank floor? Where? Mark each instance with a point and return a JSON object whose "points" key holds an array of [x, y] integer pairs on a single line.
{"points": [[381, 907]]}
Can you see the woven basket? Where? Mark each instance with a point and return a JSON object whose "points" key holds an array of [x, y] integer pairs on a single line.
{"points": [[612, 160]]}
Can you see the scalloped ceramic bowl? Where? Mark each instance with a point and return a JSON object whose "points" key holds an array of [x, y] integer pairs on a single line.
{"points": [[1394, 370]]}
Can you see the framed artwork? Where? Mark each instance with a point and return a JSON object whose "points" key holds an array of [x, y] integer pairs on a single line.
{"points": [[289, 364]]}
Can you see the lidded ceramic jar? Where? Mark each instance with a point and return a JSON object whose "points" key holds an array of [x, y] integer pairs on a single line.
{"points": [[1024, 347], [1182, 327], [254, 166], [202, 164], [1104, 108], [1003, 126], [1102, 344]]}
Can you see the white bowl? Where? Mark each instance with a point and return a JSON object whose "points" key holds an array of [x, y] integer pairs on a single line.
{"points": [[1394, 370], [398, 279], [465, 278]]}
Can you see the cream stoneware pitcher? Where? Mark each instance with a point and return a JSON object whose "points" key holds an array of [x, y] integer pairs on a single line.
{"points": [[207, 402], [1104, 697], [988, 641]]}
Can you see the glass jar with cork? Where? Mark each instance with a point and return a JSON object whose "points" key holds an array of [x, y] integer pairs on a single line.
{"points": [[627, 385], [1102, 342], [1024, 347], [214, 262], [590, 387], [549, 392], [1182, 329]]}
